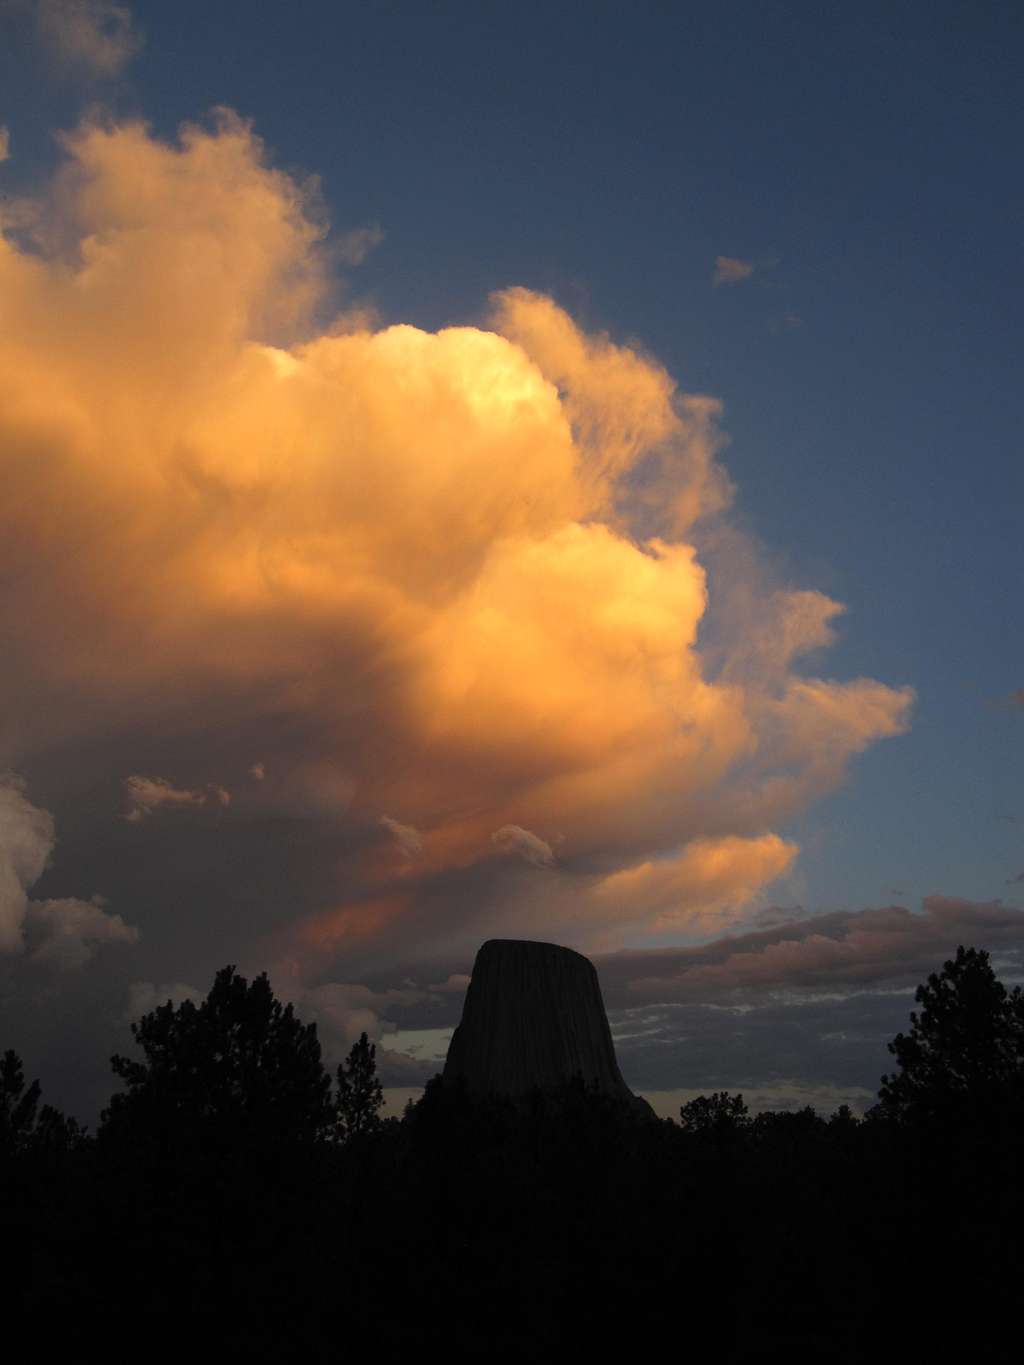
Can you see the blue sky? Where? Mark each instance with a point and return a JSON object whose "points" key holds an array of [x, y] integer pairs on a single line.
{"points": [[859, 164]]}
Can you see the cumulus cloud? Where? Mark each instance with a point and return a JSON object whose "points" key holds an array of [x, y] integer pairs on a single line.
{"points": [[731, 270], [26, 842], [5, 143], [452, 574], [524, 844], [58, 933], [344, 1011], [67, 932], [94, 36]]}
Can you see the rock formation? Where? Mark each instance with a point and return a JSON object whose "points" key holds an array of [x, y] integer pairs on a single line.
{"points": [[533, 1019]]}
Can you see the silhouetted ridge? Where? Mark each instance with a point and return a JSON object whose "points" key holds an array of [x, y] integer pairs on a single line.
{"points": [[533, 1019]]}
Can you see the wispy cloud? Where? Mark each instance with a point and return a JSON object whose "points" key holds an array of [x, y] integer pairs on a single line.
{"points": [[96, 37], [524, 844], [405, 836], [731, 270]]}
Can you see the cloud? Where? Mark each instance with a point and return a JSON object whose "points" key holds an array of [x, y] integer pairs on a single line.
{"points": [[148, 794], [26, 842], [93, 36], [354, 247], [524, 844], [812, 1002], [5, 143], [343, 1011], [60, 933], [1016, 699], [1012, 881], [843, 951], [731, 270], [454, 984], [460, 575], [67, 932], [405, 836]]}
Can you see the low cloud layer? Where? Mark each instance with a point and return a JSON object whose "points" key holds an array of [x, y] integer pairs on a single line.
{"points": [[799, 1012]]}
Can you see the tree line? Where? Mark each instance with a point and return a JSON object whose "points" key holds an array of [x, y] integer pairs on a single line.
{"points": [[238, 1197]]}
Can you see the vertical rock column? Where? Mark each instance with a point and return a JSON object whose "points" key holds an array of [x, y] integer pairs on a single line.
{"points": [[533, 1019]]}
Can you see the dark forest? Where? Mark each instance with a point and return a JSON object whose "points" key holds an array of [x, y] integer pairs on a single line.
{"points": [[238, 1200]]}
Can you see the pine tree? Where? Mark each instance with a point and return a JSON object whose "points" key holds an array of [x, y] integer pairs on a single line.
{"points": [[237, 1069], [360, 1095], [965, 1048]]}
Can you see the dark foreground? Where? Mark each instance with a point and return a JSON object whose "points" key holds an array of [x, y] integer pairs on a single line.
{"points": [[233, 1205], [489, 1233]]}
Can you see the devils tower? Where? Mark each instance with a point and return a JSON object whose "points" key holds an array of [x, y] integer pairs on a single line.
{"points": [[533, 1019]]}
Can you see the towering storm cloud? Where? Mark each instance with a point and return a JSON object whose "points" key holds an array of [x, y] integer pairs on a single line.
{"points": [[439, 592]]}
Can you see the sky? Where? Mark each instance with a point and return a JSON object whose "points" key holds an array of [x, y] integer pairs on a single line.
{"points": [[484, 471]]}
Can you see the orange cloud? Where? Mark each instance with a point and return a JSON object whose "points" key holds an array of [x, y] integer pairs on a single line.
{"points": [[447, 574]]}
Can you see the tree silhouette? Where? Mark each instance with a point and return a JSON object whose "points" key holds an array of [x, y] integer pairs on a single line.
{"points": [[965, 1046], [23, 1125], [18, 1104], [714, 1115], [239, 1068], [360, 1095]]}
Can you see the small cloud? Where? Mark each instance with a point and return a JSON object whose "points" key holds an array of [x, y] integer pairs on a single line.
{"points": [[407, 837], [731, 270], [1016, 699], [789, 322], [220, 794], [524, 844], [354, 247], [94, 36], [5, 143], [453, 985], [148, 794], [258, 772], [1013, 881]]}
